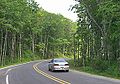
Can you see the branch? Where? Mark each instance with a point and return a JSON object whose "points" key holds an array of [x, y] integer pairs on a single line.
{"points": [[91, 17]]}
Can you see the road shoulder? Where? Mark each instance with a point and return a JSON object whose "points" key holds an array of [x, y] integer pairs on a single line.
{"points": [[95, 76]]}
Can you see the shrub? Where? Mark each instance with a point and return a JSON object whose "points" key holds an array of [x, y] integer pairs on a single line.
{"points": [[100, 65]]}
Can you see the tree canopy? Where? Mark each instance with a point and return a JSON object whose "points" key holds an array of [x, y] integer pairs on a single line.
{"points": [[30, 32], [97, 39]]}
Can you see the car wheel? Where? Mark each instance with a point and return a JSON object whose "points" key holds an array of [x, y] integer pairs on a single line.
{"points": [[52, 70], [49, 69], [67, 70]]}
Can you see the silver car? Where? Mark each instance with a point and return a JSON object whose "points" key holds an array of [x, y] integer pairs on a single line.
{"points": [[58, 64]]}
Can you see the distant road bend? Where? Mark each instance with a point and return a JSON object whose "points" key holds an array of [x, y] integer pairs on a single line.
{"points": [[37, 73]]}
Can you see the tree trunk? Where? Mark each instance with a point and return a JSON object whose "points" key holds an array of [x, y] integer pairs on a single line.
{"points": [[33, 43], [4, 48], [78, 53], [74, 51], [1, 47], [20, 47], [46, 46], [13, 48], [88, 49]]}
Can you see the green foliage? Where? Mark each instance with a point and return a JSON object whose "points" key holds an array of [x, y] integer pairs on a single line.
{"points": [[110, 71], [98, 33], [40, 46], [28, 54], [28, 32], [97, 39], [100, 65]]}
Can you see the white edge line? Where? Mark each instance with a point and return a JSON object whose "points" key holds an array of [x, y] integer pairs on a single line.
{"points": [[13, 67], [8, 71], [7, 82]]}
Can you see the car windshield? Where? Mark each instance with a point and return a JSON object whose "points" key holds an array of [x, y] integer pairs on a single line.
{"points": [[59, 60]]}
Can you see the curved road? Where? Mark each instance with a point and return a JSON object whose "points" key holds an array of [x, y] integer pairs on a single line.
{"points": [[37, 73]]}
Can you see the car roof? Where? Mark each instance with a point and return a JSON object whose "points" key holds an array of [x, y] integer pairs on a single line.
{"points": [[58, 59]]}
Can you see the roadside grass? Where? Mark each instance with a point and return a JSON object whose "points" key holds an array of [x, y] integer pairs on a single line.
{"points": [[28, 58], [23, 60], [111, 72]]}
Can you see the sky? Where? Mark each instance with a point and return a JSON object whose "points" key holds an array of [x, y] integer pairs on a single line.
{"points": [[59, 7]]}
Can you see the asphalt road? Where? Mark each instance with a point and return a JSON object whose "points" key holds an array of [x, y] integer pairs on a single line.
{"points": [[37, 73]]}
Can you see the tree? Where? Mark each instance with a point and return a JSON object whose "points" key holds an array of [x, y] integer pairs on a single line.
{"points": [[97, 32], [26, 30]]}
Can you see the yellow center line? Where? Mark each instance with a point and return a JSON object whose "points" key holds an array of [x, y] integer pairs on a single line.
{"points": [[52, 77], [49, 76]]}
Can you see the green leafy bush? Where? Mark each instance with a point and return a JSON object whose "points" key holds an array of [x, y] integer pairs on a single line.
{"points": [[100, 65]]}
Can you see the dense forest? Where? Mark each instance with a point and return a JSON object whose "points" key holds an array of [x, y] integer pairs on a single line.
{"points": [[28, 32], [97, 39]]}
